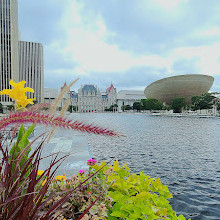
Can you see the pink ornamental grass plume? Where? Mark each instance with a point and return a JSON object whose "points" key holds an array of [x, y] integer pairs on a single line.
{"points": [[39, 118]]}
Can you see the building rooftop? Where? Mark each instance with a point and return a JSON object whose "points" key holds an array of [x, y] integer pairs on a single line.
{"points": [[108, 90], [131, 94], [89, 89]]}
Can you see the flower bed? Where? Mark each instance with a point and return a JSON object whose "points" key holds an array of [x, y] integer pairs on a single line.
{"points": [[121, 195]]}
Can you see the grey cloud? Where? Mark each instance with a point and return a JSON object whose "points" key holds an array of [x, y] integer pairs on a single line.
{"points": [[136, 29], [143, 31]]}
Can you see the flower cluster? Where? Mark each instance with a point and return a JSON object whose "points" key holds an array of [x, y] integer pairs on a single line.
{"points": [[91, 162], [81, 172], [60, 178], [18, 93], [40, 172]]}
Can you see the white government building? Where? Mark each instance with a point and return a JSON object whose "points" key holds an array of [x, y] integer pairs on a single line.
{"points": [[20, 60], [90, 99], [128, 97]]}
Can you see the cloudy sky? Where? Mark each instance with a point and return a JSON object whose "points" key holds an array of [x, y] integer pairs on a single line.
{"points": [[131, 43]]}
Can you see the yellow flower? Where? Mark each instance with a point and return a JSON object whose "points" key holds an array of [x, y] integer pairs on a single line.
{"points": [[18, 94], [40, 172], [61, 178]]}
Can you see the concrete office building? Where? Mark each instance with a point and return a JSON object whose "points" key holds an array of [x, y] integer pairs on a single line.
{"points": [[9, 68], [31, 68]]}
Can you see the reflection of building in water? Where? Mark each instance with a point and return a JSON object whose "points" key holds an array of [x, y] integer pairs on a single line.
{"points": [[128, 97], [90, 99]]}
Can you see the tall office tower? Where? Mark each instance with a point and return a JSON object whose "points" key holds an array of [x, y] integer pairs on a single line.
{"points": [[9, 68], [31, 68]]}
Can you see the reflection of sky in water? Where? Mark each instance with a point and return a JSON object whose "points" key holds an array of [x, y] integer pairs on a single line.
{"points": [[183, 151]]}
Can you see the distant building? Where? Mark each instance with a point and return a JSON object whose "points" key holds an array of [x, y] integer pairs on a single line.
{"points": [[9, 46], [50, 95], [90, 99], [65, 96], [128, 97], [74, 98], [186, 86], [31, 68], [19, 60]]}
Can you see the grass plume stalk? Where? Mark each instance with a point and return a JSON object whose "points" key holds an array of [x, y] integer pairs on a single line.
{"points": [[21, 195], [61, 114], [45, 119]]}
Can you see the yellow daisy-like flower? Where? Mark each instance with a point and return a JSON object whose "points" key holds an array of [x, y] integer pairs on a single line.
{"points": [[40, 172], [61, 178], [18, 94]]}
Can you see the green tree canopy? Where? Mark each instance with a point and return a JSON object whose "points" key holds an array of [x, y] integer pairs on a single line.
{"points": [[177, 104], [137, 106], [151, 104], [126, 107], [202, 102]]}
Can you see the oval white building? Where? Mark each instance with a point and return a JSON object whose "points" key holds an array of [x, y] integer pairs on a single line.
{"points": [[165, 90]]}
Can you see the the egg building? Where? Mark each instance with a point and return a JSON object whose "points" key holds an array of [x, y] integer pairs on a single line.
{"points": [[186, 86]]}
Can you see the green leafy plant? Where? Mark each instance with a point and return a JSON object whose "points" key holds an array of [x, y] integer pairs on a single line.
{"points": [[21, 144], [21, 191], [136, 196]]}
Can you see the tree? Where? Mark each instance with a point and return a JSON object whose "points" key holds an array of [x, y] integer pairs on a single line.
{"points": [[75, 108], [202, 102], [1, 108], [178, 104], [195, 102], [137, 106], [70, 109], [151, 104], [218, 107], [126, 107], [10, 107], [111, 108]]}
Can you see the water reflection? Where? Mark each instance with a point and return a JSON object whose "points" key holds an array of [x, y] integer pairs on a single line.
{"points": [[183, 152]]}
